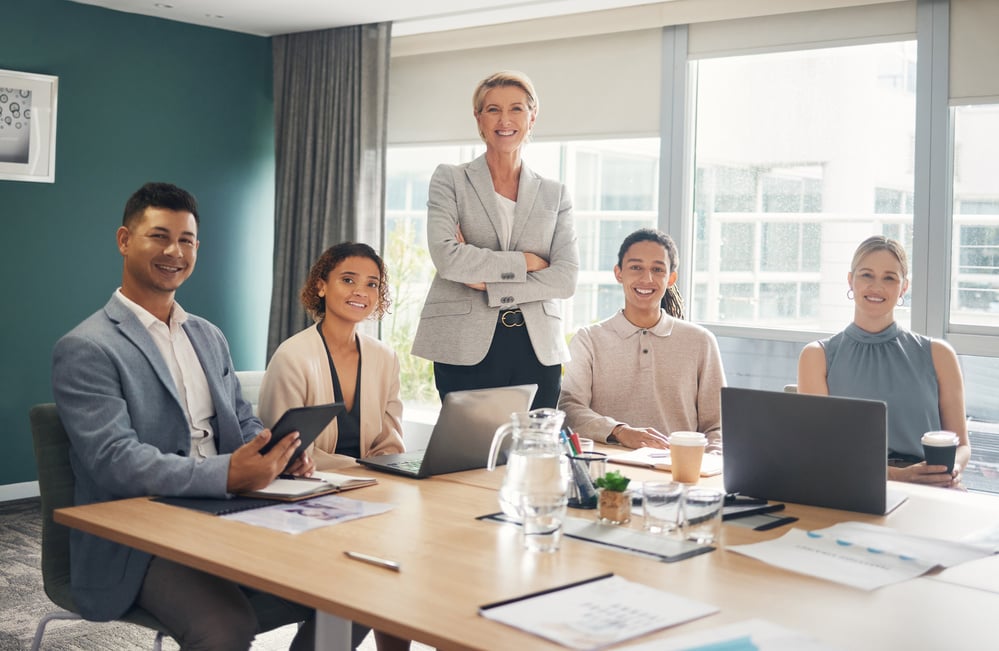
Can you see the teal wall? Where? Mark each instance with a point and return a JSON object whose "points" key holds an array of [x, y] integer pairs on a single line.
{"points": [[140, 99]]}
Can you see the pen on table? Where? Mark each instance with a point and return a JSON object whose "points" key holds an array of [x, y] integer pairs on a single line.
{"points": [[374, 560], [287, 476]]}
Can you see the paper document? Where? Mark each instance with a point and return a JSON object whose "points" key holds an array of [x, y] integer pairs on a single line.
{"points": [[750, 635], [296, 517], [659, 459], [596, 613], [860, 555]]}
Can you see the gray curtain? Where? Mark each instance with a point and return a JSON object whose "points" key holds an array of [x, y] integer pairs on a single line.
{"points": [[330, 108]]}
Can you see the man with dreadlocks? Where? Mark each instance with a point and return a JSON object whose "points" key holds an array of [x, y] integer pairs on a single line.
{"points": [[645, 372]]}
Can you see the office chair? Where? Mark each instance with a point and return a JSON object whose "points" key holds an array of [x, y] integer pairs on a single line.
{"points": [[56, 484]]}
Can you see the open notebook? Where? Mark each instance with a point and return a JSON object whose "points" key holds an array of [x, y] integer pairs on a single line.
{"points": [[280, 490]]}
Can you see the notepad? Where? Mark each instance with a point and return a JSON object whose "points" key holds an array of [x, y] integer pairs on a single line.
{"points": [[595, 613], [659, 459], [320, 483], [278, 491]]}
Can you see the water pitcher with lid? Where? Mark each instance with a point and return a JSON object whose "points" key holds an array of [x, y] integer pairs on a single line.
{"points": [[535, 462]]}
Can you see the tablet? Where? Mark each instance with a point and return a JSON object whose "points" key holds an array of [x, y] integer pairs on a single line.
{"points": [[307, 421]]}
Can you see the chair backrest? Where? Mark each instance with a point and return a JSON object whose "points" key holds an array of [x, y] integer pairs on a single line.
{"points": [[56, 484], [249, 383]]}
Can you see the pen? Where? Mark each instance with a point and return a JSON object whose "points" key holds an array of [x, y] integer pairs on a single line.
{"points": [[287, 476], [780, 522], [374, 560]]}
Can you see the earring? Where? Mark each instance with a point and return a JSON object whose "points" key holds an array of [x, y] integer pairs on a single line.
{"points": [[901, 301], [322, 294], [849, 293]]}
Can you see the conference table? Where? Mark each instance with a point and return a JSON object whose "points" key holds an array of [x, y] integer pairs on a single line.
{"points": [[451, 563]]}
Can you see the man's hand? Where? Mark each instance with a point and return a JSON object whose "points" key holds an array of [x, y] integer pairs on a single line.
{"points": [[640, 437], [304, 466], [249, 470]]}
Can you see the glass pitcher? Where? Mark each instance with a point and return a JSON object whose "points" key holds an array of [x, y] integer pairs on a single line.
{"points": [[535, 461]]}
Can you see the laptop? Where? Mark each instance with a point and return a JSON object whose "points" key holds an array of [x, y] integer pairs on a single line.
{"points": [[815, 450], [463, 434]]}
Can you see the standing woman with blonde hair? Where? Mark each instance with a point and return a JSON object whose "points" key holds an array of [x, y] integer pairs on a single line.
{"points": [[873, 358], [503, 242]]}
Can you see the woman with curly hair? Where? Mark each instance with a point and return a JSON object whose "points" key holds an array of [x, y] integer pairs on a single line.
{"points": [[333, 362]]}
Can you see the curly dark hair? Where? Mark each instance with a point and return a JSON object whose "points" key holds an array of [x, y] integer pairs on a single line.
{"points": [[316, 305], [672, 301]]}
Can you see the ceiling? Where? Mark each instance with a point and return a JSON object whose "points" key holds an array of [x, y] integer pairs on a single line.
{"points": [[271, 17]]}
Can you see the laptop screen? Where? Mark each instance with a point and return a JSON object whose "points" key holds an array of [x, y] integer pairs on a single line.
{"points": [[815, 450]]}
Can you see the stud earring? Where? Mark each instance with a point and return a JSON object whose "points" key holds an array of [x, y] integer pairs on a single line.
{"points": [[849, 294], [901, 301]]}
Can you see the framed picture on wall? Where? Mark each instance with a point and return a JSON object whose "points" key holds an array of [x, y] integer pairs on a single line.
{"points": [[27, 126]]}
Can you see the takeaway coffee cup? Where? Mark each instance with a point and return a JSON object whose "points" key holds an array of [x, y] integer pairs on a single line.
{"points": [[939, 448], [686, 452]]}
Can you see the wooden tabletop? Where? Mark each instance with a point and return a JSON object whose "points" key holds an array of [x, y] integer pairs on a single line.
{"points": [[452, 563]]}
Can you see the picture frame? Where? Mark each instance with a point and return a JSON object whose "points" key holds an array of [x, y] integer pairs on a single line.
{"points": [[27, 126]]}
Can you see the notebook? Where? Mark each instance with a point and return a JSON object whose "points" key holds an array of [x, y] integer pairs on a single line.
{"points": [[463, 433], [282, 489], [815, 450]]}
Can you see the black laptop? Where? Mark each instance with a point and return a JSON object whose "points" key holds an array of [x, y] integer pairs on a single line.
{"points": [[815, 450]]}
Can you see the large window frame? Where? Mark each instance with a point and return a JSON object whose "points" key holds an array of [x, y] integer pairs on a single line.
{"points": [[932, 201]]}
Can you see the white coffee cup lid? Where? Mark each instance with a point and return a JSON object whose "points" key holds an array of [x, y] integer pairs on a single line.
{"points": [[687, 438], [940, 438]]}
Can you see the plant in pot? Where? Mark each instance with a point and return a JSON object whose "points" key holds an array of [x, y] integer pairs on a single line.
{"points": [[614, 501]]}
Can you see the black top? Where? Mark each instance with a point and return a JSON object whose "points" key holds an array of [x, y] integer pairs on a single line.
{"points": [[348, 423]]}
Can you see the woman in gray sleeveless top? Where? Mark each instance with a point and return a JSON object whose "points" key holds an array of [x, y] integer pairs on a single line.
{"points": [[919, 378]]}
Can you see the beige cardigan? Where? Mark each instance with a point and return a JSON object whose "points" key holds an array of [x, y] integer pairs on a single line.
{"points": [[299, 374]]}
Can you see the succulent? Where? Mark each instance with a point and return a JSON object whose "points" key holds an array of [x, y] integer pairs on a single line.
{"points": [[613, 481]]}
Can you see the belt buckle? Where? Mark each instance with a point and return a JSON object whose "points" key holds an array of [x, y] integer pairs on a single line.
{"points": [[518, 318]]}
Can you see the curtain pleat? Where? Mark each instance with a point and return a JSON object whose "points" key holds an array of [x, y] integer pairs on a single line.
{"points": [[330, 108]]}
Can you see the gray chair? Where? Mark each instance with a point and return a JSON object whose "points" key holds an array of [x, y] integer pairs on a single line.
{"points": [[56, 484]]}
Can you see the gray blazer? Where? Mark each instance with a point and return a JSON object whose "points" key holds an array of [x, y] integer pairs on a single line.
{"points": [[130, 437], [457, 322]]}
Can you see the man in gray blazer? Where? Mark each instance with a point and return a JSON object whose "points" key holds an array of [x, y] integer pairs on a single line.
{"points": [[152, 406]]}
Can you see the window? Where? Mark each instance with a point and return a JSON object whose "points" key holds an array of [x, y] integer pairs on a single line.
{"points": [[614, 186], [799, 156], [975, 276]]}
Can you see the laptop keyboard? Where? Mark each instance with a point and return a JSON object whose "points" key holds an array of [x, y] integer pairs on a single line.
{"points": [[412, 465]]}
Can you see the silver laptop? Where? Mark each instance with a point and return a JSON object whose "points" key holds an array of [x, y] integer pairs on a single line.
{"points": [[463, 434], [815, 450]]}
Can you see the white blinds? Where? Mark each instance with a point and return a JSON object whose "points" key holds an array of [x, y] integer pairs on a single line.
{"points": [[974, 51], [812, 29], [591, 86]]}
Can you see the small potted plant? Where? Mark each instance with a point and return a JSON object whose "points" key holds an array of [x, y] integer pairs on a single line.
{"points": [[614, 501]]}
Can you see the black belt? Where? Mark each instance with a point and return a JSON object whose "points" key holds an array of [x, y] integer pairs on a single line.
{"points": [[512, 318]]}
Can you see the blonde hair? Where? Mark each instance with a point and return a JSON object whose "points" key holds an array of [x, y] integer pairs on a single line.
{"points": [[881, 243], [505, 78]]}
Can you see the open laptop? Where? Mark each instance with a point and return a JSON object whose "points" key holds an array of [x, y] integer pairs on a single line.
{"points": [[463, 434], [815, 450]]}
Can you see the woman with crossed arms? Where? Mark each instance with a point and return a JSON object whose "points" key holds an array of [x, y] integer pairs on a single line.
{"points": [[503, 242]]}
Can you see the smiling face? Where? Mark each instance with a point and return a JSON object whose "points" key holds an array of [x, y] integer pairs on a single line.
{"points": [[351, 289], [878, 282], [505, 119], [644, 274], [159, 250]]}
